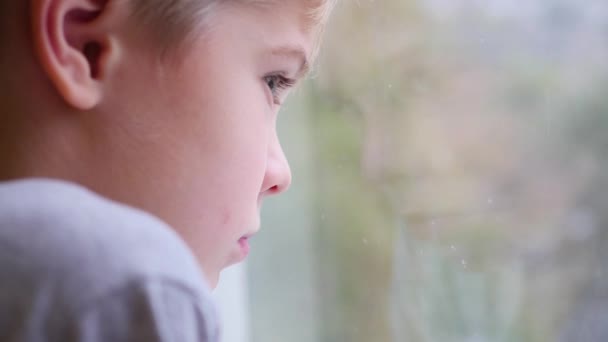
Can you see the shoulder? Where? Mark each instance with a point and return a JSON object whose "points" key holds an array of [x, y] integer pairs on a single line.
{"points": [[87, 246], [153, 310]]}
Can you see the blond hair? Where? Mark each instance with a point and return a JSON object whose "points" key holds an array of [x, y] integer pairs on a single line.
{"points": [[175, 21]]}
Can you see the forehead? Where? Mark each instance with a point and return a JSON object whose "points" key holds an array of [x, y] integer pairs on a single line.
{"points": [[283, 27], [309, 16], [313, 11]]}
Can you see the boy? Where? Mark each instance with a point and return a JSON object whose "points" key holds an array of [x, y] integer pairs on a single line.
{"points": [[164, 106]]}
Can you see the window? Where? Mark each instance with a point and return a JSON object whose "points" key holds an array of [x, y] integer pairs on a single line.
{"points": [[450, 179]]}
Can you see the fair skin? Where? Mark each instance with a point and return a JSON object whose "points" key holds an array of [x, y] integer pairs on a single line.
{"points": [[191, 140]]}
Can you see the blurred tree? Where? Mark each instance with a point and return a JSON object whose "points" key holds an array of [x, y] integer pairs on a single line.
{"points": [[461, 192]]}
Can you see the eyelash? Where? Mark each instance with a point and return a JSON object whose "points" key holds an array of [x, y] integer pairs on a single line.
{"points": [[280, 83]]}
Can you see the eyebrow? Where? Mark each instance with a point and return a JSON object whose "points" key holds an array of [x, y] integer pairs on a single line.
{"points": [[291, 51]]}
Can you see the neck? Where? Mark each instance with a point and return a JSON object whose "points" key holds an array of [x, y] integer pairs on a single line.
{"points": [[36, 146]]}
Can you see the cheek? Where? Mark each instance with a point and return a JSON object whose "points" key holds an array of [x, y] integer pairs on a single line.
{"points": [[226, 217], [225, 175], [207, 133]]}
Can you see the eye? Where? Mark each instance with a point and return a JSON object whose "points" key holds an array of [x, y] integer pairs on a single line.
{"points": [[278, 84]]}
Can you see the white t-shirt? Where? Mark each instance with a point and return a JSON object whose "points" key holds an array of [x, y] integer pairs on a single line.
{"points": [[77, 267]]}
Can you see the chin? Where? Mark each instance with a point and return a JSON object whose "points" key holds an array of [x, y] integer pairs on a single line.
{"points": [[211, 276], [213, 280]]}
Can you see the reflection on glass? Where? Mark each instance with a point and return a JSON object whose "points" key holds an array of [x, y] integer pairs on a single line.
{"points": [[454, 184]]}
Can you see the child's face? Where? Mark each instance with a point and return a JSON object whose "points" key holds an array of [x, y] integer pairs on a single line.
{"points": [[195, 143]]}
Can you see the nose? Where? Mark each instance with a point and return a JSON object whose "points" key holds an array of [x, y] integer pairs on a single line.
{"points": [[277, 178]]}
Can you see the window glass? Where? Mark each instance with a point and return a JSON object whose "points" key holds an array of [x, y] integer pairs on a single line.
{"points": [[450, 179]]}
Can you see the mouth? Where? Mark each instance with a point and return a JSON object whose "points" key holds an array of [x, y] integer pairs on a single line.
{"points": [[244, 247]]}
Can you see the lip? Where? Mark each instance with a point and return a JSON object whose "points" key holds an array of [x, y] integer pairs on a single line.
{"points": [[244, 247]]}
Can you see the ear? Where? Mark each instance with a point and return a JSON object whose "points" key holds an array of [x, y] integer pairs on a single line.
{"points": [[75, 46]]}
